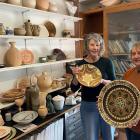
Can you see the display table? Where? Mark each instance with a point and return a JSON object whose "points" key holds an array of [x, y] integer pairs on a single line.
{"points": [[42, 123]]}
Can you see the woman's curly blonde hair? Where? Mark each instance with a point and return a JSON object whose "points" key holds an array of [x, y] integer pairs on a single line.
{"points": [[97, 38]]}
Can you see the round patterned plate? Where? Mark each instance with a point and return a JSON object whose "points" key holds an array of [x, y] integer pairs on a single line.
{"points": [[118, 103], [89, 75]]}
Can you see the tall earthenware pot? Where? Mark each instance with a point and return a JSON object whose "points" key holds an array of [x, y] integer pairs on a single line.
{"points": [[42, 4], [13, 57]]}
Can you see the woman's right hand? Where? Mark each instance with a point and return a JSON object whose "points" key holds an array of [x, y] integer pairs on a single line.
{"points": [[75, 70]]}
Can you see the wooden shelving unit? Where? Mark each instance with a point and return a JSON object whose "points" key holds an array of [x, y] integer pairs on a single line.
{"points": [[114, 23]]}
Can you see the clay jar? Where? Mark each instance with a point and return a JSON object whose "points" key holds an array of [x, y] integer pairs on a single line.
{"points": [[52, 7], [44, 82], [36, 30], [42, 4], [12, 57], [42, 111], [29, 3], [15, 2]]}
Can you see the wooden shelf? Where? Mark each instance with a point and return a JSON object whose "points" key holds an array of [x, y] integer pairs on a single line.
{"points": [[119, 74], [120, 54], [93, 10], [10, 7], [37, 65]]}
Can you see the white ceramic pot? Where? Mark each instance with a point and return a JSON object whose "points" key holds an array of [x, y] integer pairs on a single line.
{"points": [[58, 102], [29, 3], [15, 2]]}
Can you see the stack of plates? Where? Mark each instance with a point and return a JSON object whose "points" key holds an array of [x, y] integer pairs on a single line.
{"points": [[110, 2], [11, 95], [7, 133]]}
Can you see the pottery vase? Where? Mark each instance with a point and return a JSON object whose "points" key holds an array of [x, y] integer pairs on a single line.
{"points": [[42, 4], [44, 82], [42, 98], [13, 57], [42, 111], [28, 28], [29, 3], [52, 7], [14, 2], [36, 30]]}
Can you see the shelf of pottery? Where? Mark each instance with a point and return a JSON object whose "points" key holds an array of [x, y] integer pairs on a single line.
{"points": [[35, 36]]}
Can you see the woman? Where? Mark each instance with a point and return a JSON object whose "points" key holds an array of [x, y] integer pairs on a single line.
{"points": [[91, 120], [133, 76]]}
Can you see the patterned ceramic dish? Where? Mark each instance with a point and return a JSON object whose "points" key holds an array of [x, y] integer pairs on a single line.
{"points": [[25, 117], [4, 131], [118, 103], [89, 75]]}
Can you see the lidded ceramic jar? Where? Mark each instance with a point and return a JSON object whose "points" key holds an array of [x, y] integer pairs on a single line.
{"points": [[13, 57], [44, 82], [58, 102], [42, 4], [29, 3]]}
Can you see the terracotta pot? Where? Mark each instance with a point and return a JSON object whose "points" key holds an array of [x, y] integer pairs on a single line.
{"points": [[42, 4], [12, 57], [42, 111], [29, 3]]}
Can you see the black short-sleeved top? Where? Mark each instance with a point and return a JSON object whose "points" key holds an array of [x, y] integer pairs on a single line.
{"points": [[106, 67]]}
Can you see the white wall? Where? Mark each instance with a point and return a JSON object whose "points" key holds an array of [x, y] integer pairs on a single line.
{"points": [[39, 48]]}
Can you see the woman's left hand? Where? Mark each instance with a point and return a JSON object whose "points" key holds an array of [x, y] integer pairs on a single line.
{"points": [[134, 123], [105, 81]]}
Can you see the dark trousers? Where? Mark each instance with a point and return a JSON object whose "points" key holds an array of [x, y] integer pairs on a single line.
{"points": [[131, 135]]}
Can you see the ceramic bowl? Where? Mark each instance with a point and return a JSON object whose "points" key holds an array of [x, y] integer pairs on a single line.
{"points": [[25, 117], [19, 31]]}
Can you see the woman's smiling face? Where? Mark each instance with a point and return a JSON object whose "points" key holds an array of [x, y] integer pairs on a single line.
{"points": [[94, 47], [135, 56]]}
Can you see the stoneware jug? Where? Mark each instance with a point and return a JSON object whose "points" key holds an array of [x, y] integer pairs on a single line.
{"points": [[29, 3], [28, 28], [35, 30], [42, 4], [13, 57], [44, 82]]}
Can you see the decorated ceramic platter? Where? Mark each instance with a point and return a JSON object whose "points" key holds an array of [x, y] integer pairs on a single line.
{"points": [[4, 131], [118, 103], [89, 75], [25, 117], [27, 57]]}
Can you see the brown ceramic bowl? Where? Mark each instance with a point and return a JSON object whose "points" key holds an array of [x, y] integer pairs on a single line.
{"points": [[19, 31]]}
